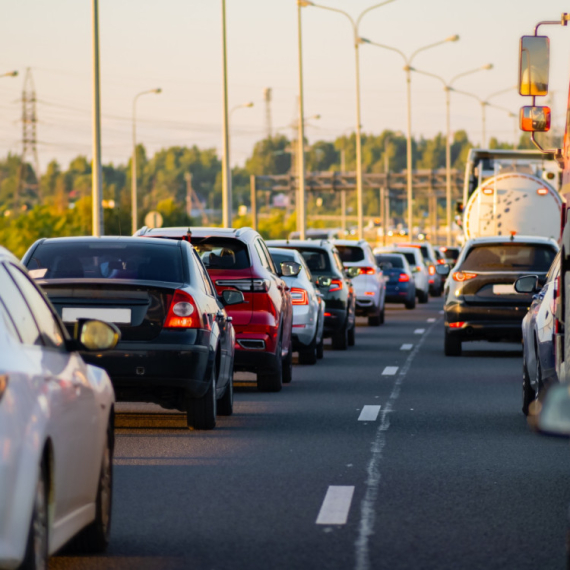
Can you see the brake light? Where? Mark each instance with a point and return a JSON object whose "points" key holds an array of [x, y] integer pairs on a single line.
{"points": [[461, 276], [404, 278], [183, 313], [328, 314], [456, 325], [431, 269], [367, 271], [299, 296], [336, 285], [441, 261]]}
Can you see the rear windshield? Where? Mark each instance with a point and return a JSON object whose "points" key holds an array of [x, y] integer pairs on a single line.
{"points": [[350, 254], [410, 257], [148, 261], [395, 260], [317, 259], [222, 253], [279, 258], [425, 252], [452, 254], [509, 257]]}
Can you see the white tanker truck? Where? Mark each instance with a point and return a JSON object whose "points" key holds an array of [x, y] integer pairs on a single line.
{"points": [[512, 191]]}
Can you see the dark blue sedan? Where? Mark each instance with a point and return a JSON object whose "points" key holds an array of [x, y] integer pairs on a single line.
{"points": [[400, 284]]}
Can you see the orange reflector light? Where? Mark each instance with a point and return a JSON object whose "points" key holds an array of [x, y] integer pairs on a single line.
{"points": [[461, 276], [542, 191], [367, 271], [456, 325], [369, 293], [488, 191]]}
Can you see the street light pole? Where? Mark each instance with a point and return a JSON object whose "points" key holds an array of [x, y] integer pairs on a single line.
{"points": [[226, 176], [301, 217], [409, 158], [447, 87], [96, 173], [357, 42], [134, 192]]}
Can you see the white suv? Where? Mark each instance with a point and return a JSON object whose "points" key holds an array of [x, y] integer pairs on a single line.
{"points": [[369, 284]]}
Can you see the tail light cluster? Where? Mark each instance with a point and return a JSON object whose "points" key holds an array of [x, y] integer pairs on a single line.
{"points": [[246, 285], [404, 278], [183, 312], [456, 325], [461, 276], [367, 271], [299, 296], [431, 269], [336, 285]]}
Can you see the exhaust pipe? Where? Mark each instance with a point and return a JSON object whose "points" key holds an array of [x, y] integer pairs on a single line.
{"points": [[252, 344]]}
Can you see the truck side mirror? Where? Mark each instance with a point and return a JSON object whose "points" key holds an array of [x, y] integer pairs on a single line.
{"points": [[535, 119], [534, 65]]}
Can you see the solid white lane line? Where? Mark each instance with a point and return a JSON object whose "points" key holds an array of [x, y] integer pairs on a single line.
{"points": [[336, 505], [390, 371], [369, 414], [431, 320], [368, 505], [407, 347], [419, 331]]}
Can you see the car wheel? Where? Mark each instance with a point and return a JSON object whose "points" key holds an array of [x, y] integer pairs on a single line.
{"points": [[528, 394], [411, 303], [352, 335], [272, 380], [321, 348], [340, 339], [423, 297], [201, 412], [226, 402], [36, 556], [95, 537], [452, 345], [377, 319], [288, 366], [308, 355]]}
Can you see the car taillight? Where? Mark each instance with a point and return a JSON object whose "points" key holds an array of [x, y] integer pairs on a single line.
{"points": [[404, 277], [367, 271], [183, 313], [441, 261], [247, 285], [456, 325], [336, 285], [431, 269], [3, 384], [461, 276], [299, 296], [418, 268]]}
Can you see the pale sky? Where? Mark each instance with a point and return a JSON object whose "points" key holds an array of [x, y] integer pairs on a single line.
{"points": [[176, 45]]}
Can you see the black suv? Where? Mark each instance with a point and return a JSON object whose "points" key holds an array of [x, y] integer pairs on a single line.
{"points": [[334, 283]]}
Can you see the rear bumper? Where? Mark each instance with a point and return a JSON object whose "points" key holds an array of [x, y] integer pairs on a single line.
{"points": [[255, 347], [366, 306], [399, 293]]}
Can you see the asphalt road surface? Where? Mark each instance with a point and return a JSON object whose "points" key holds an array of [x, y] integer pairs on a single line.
{"points": [[386, 456]]}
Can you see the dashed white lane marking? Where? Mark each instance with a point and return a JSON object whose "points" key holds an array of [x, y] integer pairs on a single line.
{"points": [[368, 505], [336, 505], [369, 414], [419, 331], [390, 371], [407, 347], [432, 320]]}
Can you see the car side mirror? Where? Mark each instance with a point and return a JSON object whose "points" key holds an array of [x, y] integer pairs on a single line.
{"points": [[527, 284], [323, 281], [290, 269], [352, 272], [552, 415], [442, 270], [232, 297], [96, 335]]}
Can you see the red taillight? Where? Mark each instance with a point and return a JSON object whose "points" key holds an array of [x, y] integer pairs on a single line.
{"points": [[183, 313], [431, 269], [336, 285], [456, 325], [441, 261], [328, 314], [299, 296], [367, 271], [461, 276], [404, 278]]}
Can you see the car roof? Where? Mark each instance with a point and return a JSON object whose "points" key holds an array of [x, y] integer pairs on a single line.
{"points": [[103, 239], [202, 231], [512, 239], [313, 243], [396, 249], [351, 242]]}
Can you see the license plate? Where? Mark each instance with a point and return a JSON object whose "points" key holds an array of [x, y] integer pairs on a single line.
{"points": [[71, 314], [504, 290]]}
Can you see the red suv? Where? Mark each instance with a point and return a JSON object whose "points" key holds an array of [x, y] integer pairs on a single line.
{"points": [[239, 259]]}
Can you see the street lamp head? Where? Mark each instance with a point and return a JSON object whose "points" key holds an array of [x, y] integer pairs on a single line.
{"points": [[157, 90], [250, 104], [317, 117], [12, 74], [454, 38], [363, 41], [487, 66], [304, 3]]}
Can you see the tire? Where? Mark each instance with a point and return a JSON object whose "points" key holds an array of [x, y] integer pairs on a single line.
{"points": [[36, 556], [528, 394], [377, 319], [340, 339], [352, 335], [95, 537], [423, 297], [272, 380], [287, 376], [410, 304], [320, 350], [452, 345], [201, 412], [309, 355], [226, 402]]}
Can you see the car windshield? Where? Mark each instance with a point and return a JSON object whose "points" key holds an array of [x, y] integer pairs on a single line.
{"points": [[452, 254], [350, 254], [148, 261], [317, 259], [396, 261], [509, 257], [222, 253]]}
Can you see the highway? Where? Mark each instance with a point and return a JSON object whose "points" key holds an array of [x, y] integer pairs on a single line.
{"points": [[445, 474]]}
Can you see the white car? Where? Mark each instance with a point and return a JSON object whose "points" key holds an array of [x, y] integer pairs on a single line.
{"points": [[308, 307], [369, 284], [419, 270], [56, 428]]}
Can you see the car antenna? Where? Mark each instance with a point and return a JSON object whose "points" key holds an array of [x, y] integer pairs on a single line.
{"points": [[188, 236], [513, 234]]}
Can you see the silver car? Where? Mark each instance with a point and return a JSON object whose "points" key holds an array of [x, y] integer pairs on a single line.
{"points": [[308, 307]]}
